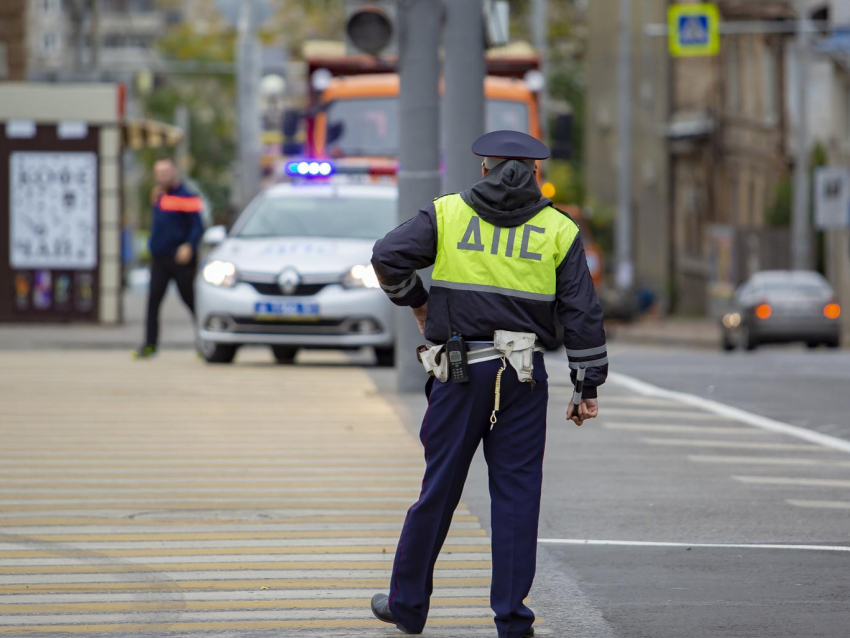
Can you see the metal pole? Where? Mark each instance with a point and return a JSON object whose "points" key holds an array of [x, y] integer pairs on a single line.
{"points": [[801, 224], [183, 122], [95, 35], [540, 35], [623, 229], [419, 155], [248, 61], [464, 77]]}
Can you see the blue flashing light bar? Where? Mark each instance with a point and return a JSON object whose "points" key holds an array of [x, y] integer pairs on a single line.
{"points": [[310, 168]]}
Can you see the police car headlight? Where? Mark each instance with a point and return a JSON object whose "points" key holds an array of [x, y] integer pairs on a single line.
{"points": [[220, 273], [361, 277]]}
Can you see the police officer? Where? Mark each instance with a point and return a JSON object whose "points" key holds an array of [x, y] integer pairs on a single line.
{"points": [[504, 259]]}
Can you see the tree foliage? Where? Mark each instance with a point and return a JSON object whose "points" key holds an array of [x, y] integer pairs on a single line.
{"points": [[211, 102]]}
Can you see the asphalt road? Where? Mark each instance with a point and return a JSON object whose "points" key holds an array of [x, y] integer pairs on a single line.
{"points": [[660, 520], [788, 383], [655, 471]]}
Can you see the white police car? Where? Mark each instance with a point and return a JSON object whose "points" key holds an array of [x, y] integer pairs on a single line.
{"points": [[294, 273]]}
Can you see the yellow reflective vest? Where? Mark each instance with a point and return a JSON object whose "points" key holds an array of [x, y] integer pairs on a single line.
{"points": [[521, 261]]}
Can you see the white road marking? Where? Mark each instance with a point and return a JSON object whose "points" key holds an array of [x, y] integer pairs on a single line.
{"points": [[655, 414], [683, 429], [246, 559], [738, 445], [395, 490], [633, 400], [798, 482], [213, 500], [173, 512], [728, 412], [227, 576], [580, 541], [825, 505], [23, 620], [173, 473], [330, 482], [764, 460], [259, 528], [225, 544], [226, 596]]}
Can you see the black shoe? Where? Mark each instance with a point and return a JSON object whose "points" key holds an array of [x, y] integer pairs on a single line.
{"points": [[144, 352], [529, 633], [381, 609]]}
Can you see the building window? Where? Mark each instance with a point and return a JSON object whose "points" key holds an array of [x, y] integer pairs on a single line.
{"points": [[49, 7], [770, 85], [142, 6], [49, 43], [731, 191], [748, 95], [733, 95], [846, 108]]}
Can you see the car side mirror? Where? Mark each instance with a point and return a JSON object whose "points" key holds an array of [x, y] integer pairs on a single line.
{"points": [[214, 235]]}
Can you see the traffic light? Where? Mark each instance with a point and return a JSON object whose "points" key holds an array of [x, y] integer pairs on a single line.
{"points": [[370, 27], [562, 137]]}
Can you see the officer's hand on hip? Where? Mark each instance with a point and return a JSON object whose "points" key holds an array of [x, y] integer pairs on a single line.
{"points": [[421, 313], [587, 409]]}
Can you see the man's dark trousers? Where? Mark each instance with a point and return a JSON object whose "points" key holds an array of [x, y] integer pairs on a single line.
{"points": [[163, 270], [457, 420]]}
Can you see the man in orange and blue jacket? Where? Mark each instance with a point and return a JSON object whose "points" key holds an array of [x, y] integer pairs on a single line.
{"points": [[176, 230]]}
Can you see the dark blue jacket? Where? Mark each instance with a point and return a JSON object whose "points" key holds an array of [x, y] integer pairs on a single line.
{"points": [[503, 200], [176, 221]]}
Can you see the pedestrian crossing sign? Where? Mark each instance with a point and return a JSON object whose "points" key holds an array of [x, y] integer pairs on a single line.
{"points": [[694, 30]]}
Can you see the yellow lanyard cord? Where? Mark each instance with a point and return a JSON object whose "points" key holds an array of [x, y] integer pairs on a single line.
{"points": [[498, 395]]}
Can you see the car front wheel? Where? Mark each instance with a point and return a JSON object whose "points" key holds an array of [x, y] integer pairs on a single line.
{"points": [[284, 355], [748, 341], [217, 352], [385, 357]]}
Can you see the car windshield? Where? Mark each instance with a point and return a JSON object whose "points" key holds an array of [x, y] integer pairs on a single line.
{"points": [[780, 287], [369, 126], [337, 217], [786, 288]]}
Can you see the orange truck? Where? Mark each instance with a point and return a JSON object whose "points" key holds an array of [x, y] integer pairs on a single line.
{"points": [[353, 112], [353, 109]]}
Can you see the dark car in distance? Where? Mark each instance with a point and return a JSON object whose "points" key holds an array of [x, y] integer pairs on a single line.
{"points": [[782, 306]]}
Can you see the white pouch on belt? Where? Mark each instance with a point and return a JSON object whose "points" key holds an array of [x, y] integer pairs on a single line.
{"points": [[518, 348], [434, 364]]}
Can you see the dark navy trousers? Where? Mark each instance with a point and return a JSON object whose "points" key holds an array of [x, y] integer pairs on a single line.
{"points": [[457, 420]]}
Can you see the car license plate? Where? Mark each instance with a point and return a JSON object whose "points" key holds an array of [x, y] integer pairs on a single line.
{"points": [[285, 310]]}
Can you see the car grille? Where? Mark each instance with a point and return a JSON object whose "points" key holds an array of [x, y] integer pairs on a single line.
{"points": [[302, 290], [247, 325]]}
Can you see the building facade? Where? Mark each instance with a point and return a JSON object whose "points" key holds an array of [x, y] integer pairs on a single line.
{"points": [[710, 148], [107, 37]]}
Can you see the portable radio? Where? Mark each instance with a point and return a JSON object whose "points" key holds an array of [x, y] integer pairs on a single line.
{"points": [[458, 364]]}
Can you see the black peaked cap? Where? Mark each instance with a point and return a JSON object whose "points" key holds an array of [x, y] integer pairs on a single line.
{"points": [[510, 145]]}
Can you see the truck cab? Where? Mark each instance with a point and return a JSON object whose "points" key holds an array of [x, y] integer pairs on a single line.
{"points": [[360, 114]]}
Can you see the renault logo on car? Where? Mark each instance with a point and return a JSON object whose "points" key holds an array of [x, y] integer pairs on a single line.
{"points": [[288, 281]]}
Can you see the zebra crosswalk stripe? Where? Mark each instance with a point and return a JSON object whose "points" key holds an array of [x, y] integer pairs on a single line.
{"points": [[251, 504]]}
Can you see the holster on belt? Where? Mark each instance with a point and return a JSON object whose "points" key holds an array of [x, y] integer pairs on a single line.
{"points": [[518, 348], [432, 360]]}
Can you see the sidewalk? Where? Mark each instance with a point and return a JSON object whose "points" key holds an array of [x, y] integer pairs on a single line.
{"points": [[167, 497], [175, 329], [667, 331], [177, 333]]}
